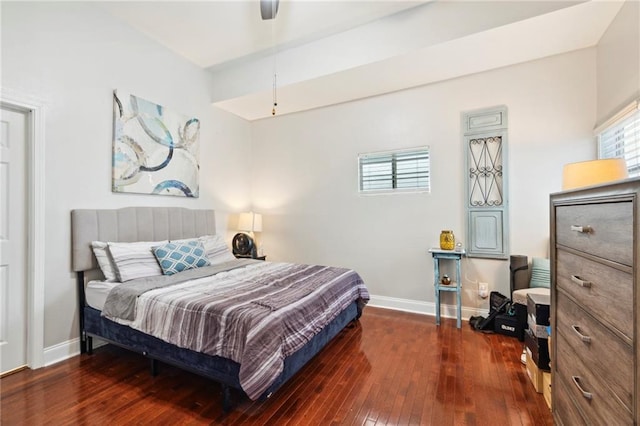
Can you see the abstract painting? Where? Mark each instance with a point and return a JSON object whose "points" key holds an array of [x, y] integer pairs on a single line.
{"points": [[155, 150]]}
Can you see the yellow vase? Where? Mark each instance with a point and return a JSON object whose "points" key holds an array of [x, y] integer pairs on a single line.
{"points": [[447, 240]]}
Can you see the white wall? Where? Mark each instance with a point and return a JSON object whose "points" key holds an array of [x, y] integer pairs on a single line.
{"points": [[305, 173], [72, 56], [303, 170], [618, 63]]}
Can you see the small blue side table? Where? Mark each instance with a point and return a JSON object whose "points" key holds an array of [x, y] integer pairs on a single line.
{"points": [[455, 286]]}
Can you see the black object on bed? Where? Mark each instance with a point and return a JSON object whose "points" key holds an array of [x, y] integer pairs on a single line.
{"points": [[155, 224]]}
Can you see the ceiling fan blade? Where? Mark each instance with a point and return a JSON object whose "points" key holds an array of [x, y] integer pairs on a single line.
{"points": [[269, 9]]}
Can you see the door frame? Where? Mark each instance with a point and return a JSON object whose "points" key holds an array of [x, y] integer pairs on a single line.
{"points": [[34, 108]]}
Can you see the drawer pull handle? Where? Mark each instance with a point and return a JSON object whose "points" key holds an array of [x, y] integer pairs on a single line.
{"points": [[582, 283], [576, 381], [586, 339], [581, 229]]}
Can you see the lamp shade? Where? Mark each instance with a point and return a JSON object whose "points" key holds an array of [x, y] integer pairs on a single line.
{"points": [[586, 173], [250, 222]]}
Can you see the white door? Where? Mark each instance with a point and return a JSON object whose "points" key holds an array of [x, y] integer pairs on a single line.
{"points": [[13, 237]]}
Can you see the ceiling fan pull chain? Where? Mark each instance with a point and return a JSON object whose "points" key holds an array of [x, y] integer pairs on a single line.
{"points": [[275, 95], [274, 10]]}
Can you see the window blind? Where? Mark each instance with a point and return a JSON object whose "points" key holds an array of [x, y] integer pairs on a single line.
{"points": [[406, 170], [622, 140]]}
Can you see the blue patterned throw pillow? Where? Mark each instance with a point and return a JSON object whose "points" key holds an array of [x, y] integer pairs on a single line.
{"points": [[178, 257]]}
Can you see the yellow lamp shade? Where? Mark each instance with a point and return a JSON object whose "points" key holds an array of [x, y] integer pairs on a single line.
{"points": [[587, 173]]}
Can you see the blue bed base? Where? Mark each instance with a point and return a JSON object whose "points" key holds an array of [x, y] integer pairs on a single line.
{"points": [[222, 370]]}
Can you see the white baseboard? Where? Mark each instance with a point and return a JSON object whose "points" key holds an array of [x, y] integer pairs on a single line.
{"points": [[61, 351], [425, 308], [71, 348], [65, 350]]}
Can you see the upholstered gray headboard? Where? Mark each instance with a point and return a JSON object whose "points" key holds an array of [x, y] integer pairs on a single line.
{"points": [[133, 224]]}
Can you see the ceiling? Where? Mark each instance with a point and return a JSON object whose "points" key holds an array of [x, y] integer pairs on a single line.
{"points": [[211, 33], [329, 52]]}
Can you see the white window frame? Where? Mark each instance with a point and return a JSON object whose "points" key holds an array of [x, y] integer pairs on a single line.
{"points": [[619, 137], [392, 154]]}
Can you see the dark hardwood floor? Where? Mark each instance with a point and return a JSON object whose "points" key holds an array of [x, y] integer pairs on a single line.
{"points": [[394, 368]]}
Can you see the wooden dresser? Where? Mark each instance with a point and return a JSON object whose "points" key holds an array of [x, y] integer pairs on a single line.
{"points": [[594, 304]]}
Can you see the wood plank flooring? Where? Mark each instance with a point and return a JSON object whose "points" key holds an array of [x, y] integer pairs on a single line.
{"points": [[394, 368]]}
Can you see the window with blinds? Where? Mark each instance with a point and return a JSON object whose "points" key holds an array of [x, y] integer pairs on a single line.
{"points": [[621, 139], [395, 171]]}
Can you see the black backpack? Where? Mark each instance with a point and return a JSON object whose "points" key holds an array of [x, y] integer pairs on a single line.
{"points": [[498, 304]]}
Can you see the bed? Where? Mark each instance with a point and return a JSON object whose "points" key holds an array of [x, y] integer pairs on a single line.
{"points": [[247, 324]]}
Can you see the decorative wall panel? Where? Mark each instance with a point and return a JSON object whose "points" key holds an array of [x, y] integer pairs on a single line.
{"points": [[485, 138]]}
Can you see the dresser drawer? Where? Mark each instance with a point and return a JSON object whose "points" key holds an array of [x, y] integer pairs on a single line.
{"points": [[607, 291], [601, 229], [565, 411], [599, 405], [606, 354]]}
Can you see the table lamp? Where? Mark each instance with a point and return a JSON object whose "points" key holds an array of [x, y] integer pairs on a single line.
{"points": [[587, 173]]}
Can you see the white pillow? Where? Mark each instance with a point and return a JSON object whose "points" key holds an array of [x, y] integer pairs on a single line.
{"points": [[214, 246], [216, 249], [135, 260], [104, 260]]}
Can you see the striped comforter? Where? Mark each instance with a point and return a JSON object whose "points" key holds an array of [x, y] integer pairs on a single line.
{"points": [[256, 315]]}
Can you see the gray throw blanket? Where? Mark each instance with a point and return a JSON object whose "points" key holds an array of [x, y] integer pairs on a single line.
{"points": [[121, 300]]}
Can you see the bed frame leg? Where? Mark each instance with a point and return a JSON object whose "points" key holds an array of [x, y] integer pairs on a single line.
{"points": [[154, 367], [84, 339], [226, 399], [89, 345], [353, 324]]}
